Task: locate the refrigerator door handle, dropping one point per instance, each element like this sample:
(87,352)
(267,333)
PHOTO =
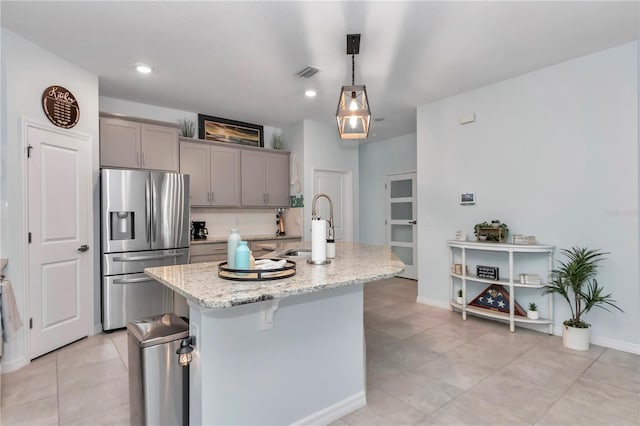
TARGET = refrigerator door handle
(140,258)
(147,210)
(132,280)
(154,211)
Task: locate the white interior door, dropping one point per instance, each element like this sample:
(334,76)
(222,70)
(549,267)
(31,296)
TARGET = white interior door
(338,186)
(401,220)
(59,186)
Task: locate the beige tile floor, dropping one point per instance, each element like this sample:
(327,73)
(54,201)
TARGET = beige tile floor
(424,366)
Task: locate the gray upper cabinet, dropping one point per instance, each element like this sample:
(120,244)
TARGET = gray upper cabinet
(136,145)
(195,162)
(265,179)
(277,180)
(215,174)
(225,176)
(253,176)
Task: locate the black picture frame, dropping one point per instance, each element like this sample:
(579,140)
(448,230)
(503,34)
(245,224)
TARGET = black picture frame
(230,131)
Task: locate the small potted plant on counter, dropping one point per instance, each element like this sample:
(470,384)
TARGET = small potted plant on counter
(533,313)
(459,298)
(575,281)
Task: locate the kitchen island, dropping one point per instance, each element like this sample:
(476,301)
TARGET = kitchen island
(284,351)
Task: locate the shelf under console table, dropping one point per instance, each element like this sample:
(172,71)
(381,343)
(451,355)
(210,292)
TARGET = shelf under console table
(463,280)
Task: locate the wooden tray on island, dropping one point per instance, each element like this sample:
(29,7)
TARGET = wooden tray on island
(288,270)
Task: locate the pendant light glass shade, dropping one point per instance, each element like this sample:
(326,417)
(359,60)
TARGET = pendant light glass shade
(353,114)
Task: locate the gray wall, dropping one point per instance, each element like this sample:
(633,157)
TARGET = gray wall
(377,160)
(554,153)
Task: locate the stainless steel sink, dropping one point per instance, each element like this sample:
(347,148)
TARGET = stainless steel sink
(297,253)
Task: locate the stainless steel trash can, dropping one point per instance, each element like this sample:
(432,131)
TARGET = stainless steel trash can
(158,386)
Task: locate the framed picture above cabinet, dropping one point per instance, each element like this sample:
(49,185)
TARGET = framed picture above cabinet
(230,131)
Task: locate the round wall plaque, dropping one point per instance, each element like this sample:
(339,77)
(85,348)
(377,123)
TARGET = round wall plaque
(60,106)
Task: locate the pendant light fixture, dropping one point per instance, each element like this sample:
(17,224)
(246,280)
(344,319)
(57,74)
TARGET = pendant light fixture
(353,113)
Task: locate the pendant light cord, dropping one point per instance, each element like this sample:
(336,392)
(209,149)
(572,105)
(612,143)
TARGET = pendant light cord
(353,61)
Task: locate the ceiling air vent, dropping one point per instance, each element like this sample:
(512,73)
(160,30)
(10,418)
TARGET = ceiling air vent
(307,71)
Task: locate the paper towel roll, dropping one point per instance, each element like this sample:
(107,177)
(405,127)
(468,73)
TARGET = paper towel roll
(318,240)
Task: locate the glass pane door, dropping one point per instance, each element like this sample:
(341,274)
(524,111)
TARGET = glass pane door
(401,220)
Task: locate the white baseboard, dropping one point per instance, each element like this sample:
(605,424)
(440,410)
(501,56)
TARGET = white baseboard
(557,330)
(616,344)
(335,411)
(97,329)
(433,302)
(8,367)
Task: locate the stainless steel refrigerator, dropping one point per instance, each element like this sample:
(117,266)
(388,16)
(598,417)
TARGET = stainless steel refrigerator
(145,223)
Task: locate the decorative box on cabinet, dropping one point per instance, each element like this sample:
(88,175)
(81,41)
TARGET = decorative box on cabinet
(214,171)
(265,179)
(460,251)
(138,145)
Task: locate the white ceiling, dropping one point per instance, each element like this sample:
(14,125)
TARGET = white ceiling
(238,59)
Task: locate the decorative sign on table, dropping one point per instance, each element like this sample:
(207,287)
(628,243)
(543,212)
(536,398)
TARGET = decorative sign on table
(60,107)
(524,239)
(496,298)
(488,272)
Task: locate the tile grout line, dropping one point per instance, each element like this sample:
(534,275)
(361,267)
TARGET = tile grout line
(57,390)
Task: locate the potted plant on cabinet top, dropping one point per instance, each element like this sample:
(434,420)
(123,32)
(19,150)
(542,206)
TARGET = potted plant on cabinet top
(533,313)
(575,281)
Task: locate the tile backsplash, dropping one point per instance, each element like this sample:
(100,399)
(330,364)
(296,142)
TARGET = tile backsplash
(248,221)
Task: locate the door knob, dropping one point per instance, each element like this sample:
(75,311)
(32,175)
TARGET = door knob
(83,247)
(413,222)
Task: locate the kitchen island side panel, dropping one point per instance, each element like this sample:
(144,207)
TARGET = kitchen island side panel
(311,361)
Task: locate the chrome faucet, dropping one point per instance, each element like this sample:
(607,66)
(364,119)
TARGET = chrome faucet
(314,214)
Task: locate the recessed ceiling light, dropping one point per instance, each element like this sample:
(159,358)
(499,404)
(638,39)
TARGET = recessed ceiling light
(310,93)
(143,69)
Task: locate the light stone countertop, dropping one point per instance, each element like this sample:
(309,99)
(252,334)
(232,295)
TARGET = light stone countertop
(354,264)
(213,239)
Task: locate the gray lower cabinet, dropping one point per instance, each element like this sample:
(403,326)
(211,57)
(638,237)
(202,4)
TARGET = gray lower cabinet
(215,174)
(213,252)
(136,145)
(216,252)
(265,179)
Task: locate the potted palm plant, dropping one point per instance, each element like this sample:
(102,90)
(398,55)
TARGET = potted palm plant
(575,281)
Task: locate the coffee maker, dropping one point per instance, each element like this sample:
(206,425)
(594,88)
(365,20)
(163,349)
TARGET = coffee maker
(199,230)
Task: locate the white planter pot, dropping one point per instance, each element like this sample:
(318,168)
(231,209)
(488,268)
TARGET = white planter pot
(575,338)
(533,315)
(459,300)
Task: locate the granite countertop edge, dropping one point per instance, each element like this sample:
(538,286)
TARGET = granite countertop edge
(200,283)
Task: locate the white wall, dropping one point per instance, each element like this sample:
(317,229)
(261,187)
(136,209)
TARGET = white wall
(554,153)
(324,150)
(376,161)
(26,71)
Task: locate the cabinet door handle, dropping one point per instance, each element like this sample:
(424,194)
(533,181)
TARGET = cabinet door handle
(83,247)
(213,196)
(208,197)
(143,162)
(137,158)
